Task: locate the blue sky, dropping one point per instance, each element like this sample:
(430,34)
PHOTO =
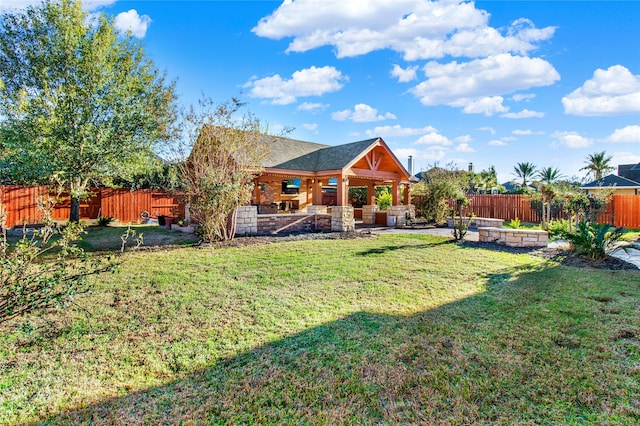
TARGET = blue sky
(488,82)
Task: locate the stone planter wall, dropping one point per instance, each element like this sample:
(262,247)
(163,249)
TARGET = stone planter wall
(478,222)
(514,237)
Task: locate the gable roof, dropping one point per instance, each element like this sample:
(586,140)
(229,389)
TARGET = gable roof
(612,181)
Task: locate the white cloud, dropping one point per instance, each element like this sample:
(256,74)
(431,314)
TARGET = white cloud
(572,139)
(18,5)
(362,113)
(312,81)
(487,106)
(419,29)
(625,158)
(629,134)
(398,131)
(131,21)
(613,91)
(527,132)
(312,107)
(525,113)
(464,147)
(433,138)
(497,142)
(310,126)
(457,83)
(404,75)
(463,139)
(522,97)
(488,129)
(431,153)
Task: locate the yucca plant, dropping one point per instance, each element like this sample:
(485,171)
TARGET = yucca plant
(594,240)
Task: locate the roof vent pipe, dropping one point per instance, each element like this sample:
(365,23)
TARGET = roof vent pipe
(410,165)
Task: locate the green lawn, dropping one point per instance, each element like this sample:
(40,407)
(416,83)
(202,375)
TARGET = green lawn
(394,329)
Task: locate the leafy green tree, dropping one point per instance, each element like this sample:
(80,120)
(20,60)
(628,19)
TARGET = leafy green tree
(77,99)
(524,171)
(598,163)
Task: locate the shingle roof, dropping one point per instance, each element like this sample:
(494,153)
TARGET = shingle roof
(284,150)
(324,157)
(611,181)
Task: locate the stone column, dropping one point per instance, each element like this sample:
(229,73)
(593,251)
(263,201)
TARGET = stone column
(342,219)
(369,214)
(247,220)
(400,212)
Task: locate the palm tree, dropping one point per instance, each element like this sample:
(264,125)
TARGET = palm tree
(524,171)
(548,175)
(598,163)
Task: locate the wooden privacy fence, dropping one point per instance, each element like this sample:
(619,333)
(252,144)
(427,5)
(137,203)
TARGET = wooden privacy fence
(20,204)
(623,210)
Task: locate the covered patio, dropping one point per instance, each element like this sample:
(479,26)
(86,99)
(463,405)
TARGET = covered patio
(305,179)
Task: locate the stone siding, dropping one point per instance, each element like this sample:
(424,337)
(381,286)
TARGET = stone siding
(514,237)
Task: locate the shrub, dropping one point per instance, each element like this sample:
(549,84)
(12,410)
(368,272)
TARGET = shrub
(558,228)
(594,240)
(46,268)
(384,200)
(515,223)
(104,220)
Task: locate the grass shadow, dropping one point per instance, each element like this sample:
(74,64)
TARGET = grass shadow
(528,350)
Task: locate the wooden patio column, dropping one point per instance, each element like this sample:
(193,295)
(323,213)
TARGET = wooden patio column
(407,194)
(256,192)
(395,193)
(371,193)
(317,192)
(343,191)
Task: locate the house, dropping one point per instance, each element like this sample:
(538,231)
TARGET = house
(298,174)
(617,184)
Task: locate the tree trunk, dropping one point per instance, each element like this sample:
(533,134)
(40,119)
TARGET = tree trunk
(74,215)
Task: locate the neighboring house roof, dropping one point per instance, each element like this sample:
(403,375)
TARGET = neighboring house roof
(511,185)
(612,181)
(630,171)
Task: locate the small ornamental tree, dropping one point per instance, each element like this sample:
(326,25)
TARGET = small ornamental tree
(226,155)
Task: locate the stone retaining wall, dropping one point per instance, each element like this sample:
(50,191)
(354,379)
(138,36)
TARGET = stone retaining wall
(296,222)
(514,237)
(478,222)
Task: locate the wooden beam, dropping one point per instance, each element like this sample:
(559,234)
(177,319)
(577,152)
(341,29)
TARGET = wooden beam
(373,174)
